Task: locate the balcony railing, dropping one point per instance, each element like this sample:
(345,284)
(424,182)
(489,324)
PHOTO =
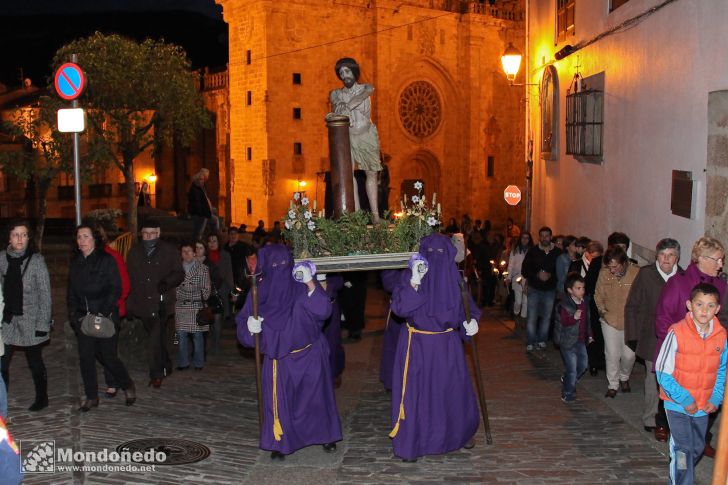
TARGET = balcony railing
(501,9)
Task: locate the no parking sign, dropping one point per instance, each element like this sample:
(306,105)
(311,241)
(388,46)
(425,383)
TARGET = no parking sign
(69,81)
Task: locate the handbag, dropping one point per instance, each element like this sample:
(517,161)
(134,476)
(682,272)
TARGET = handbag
(206,314)
(215,302)
(97,325)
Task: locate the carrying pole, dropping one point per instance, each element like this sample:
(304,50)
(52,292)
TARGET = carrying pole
(476,367)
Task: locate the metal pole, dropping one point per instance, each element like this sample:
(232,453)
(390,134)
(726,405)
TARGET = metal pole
(76,161)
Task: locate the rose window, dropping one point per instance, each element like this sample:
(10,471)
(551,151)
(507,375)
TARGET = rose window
(419,109)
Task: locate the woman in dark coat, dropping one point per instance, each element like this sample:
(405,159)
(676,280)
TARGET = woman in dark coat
(94,286)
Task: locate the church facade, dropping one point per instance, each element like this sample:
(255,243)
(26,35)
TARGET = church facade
(445,113)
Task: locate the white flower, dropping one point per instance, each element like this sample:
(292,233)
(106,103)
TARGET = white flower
(307,215)
(431,221)
(288,225)
(304,201)
(311,226)
(418,185)
(415,199)
(296,195)
(291,214)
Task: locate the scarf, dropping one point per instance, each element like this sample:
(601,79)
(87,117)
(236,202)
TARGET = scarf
(150,245)
(13,284)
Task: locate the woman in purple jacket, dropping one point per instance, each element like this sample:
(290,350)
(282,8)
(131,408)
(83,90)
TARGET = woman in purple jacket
(706,263)
(707,259)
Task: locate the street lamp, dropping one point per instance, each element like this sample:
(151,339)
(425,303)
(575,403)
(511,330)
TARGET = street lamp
(511,61)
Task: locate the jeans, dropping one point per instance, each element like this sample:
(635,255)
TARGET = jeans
(687,440)
(520,300)
(540,306)
(198,346)
(3,398)
(575,364)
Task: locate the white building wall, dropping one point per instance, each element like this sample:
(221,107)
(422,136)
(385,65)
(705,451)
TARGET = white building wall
(657,78)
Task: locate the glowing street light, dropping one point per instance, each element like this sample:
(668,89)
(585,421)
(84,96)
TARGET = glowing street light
(511,61)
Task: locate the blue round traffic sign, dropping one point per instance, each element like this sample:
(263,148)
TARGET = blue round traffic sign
(69,81)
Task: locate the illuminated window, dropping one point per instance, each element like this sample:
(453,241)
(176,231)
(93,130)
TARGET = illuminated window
(564,19)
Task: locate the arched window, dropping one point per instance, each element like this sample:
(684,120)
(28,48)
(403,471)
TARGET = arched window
(549,98)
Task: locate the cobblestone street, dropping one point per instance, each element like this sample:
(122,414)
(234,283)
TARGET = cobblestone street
(536,438)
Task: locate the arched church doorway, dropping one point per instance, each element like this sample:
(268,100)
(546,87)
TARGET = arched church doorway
(423,166)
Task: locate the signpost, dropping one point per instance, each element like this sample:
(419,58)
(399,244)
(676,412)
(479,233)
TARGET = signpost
(512,195)
(69,82)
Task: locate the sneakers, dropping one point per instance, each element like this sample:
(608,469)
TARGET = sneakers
(567,399)
(529,348)
(541,345)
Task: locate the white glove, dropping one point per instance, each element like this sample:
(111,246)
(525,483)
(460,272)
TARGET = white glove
(419,269)
(302,274)
(471,327)
(255,324)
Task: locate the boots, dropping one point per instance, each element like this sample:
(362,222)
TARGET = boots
(40,379)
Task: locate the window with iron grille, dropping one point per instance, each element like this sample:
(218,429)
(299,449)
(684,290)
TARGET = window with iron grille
(585,118)
(564,19)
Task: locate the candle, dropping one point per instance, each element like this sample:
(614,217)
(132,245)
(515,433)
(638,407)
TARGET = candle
(438,208)
(434,198)
(314,205)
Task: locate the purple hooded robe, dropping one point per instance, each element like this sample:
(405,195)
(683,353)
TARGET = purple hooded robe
(434,408)
(332,327)
(301,395)
(390,280)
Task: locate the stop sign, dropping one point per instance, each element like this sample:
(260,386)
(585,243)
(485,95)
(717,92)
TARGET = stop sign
(512,195)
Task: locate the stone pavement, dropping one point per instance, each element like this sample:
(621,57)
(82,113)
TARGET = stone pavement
(536,438)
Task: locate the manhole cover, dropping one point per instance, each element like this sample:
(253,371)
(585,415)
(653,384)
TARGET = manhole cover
(176,451)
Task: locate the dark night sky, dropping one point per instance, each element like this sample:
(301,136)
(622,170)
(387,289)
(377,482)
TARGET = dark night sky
(32,30)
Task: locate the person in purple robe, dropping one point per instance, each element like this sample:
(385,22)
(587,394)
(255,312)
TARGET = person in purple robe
(434,408)
(390,279)
(298,396)
(332,326)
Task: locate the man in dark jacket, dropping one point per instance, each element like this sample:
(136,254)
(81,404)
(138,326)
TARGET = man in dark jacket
(539,269)
(155,270)
(639,326)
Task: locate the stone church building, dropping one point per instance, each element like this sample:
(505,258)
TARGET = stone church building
(445,112)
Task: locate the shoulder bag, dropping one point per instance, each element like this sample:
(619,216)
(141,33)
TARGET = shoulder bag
(97,325)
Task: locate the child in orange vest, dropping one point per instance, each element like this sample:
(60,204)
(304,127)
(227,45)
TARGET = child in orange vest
(690,369)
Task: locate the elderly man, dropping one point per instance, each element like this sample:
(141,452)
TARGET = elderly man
(353,100)
(639,325)
(155,270)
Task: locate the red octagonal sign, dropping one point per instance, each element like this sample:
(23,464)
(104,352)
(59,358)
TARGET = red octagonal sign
(512,195)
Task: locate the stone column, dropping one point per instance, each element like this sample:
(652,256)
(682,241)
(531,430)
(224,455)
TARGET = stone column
(341,169)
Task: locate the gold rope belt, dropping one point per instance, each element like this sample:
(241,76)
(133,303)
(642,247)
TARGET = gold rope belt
(410,331)
(277,428)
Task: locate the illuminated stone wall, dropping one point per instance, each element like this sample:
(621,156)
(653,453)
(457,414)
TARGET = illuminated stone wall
(441,104)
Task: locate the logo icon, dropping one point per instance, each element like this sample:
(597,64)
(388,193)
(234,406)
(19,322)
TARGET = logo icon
(40,458)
